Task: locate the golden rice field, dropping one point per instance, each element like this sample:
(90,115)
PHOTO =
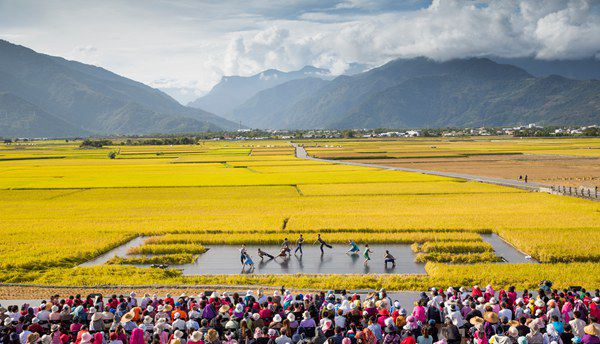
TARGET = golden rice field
(62,205)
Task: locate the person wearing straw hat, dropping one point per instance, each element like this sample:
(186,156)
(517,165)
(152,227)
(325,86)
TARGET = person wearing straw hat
(592,332)
(127,322)
(195,338)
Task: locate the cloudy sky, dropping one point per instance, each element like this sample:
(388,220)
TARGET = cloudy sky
(185,46)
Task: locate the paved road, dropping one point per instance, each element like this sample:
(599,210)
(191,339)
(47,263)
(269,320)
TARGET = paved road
(302,154)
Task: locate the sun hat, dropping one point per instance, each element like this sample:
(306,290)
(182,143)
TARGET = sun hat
(224,309)
(142,327)
(255,316)
(326,325)
(150,309)
(480,299)
(576,340)
(7,321)
(396,304)
(522,340)
(55,327)
(196,336)
(330,306)
(476,320)
(147,319)
(272,332)
(249,293)
(127,317)
(168,308)
(54,308)
(291,317)
(513,323)
(35,320)
(493,301)
(592,329)
(161,308)
(539,303)
(513,332)
(96,316)
(388,321)
(176,316)
(214,295)
(178,334)
(490,317)
(85,337)
(277,318)
(596,299)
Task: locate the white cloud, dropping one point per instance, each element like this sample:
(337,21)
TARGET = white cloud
(186,46)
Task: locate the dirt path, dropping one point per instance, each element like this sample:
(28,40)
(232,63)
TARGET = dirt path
(302,154)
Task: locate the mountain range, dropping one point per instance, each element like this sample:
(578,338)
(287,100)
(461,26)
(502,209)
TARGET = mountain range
(233,91)
(42,95)
(48,96)
(420,92)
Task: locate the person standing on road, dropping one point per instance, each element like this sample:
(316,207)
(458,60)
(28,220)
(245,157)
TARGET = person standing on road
(366,254)
(322,242)
(243,253)
(299,243)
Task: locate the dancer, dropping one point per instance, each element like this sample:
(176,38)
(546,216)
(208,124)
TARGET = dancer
(388,258)
(353,247)
(248,261)
(284,252)
(243,253)
(366,254)
(286,246)
(299,243)
(322,242)
(262,254)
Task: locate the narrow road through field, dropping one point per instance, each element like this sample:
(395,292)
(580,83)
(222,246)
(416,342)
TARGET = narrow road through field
(302,154)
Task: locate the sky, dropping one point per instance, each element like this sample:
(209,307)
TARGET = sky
(184,47)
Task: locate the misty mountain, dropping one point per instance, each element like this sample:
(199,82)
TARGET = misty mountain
(582,69)
(262,110)
(423,93)
(232,91)
(83,99)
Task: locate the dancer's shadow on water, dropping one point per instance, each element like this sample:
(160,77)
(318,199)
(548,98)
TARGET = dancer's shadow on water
(284,263)
(324,260)
(263,263)
(300,263)
(354,258)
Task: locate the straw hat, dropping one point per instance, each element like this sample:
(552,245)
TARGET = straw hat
(224,309)
(96,316)
(306,315)
(513,323)
(249,293)
(46,339)
(168,307)
(178,334)
(147,319)
(33,337)
(127,317)
(476,320)
(592,329)
(490,317)
(196,336)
